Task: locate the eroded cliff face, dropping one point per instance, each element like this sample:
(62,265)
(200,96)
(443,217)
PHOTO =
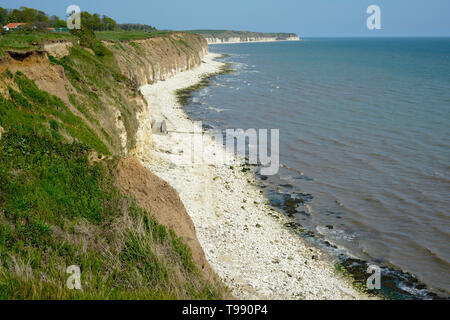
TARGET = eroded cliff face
(100,94)
(155,59)
(151,60)
(104,93)
(111,106)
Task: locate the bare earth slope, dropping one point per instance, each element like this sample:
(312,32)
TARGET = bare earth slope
(163,203)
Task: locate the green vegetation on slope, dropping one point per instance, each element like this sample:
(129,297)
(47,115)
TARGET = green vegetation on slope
(58,209)
(98,85)
(33,110)
(26,41)
(58,203)
(129,35)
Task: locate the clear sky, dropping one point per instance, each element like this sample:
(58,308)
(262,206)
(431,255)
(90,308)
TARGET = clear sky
(308,18)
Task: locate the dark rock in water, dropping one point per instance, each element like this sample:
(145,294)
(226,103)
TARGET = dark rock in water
(326,243)
(393,281)
(304,178)
(295,226)
(276,204)
(304,197)
(264,178)
(287,186)
(309,234)
(291,211)
(289,202)
(330,227)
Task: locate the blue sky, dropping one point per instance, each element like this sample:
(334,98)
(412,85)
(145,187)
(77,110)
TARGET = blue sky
(308,18)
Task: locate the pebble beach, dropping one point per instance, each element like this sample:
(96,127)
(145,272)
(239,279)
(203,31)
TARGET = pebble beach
(244,239)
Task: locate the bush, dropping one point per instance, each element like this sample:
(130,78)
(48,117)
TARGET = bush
(87,37)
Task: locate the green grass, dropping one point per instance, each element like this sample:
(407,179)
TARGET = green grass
(31,110)
(23,42)
(129,35)
(99,82)
(58,209)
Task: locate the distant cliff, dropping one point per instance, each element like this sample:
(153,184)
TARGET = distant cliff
(228,36)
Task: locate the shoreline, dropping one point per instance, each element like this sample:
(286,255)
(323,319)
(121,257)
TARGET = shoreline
(244,239)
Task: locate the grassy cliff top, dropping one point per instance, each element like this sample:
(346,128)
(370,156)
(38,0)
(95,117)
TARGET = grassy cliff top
(22,42)
(129,35)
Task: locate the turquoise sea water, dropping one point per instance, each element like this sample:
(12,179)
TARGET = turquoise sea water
(364,128)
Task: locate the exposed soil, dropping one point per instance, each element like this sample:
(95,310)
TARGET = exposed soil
(163,203)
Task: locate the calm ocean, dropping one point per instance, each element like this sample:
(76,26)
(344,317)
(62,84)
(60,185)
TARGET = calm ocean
(364,128)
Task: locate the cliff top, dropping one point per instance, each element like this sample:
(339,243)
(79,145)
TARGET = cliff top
(224,34)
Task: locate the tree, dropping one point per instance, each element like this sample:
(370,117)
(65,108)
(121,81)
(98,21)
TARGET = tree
(25,14)
(41,17)
(11,18)
(86,20)
(56,22)
(3,16)
(96,22)
(40,20)
(108,23)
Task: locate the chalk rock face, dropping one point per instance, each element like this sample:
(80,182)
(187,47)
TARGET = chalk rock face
(215,37)
(158,59)
(1,132)
(249,39)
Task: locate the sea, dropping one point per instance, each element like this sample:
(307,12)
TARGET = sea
(364,144)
